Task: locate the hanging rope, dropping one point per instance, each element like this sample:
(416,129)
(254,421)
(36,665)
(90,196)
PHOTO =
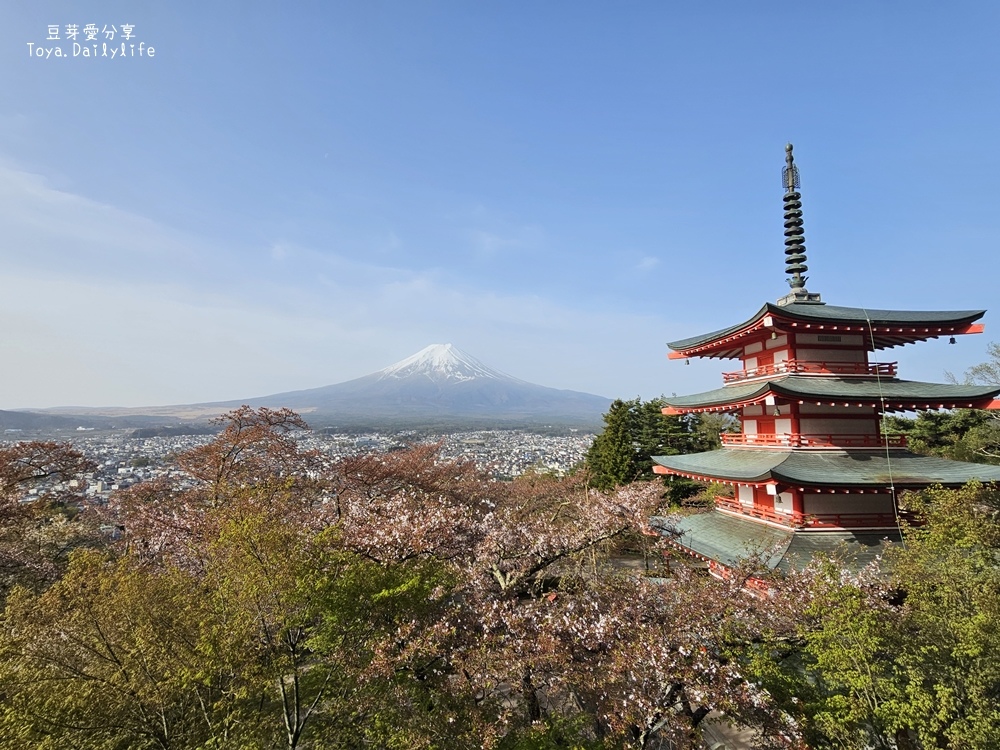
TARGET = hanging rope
(885,436)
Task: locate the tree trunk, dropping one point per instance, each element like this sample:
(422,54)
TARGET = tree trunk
(530,696)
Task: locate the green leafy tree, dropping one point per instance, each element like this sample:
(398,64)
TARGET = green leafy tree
(983,441)
(113,655)
(636,430)
(279,640)
(846,694)
(961,435)
(908,657)
(948,658)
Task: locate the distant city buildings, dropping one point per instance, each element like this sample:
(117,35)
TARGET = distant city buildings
(122,461)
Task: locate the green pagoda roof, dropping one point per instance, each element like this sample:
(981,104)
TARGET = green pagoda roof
(727,539)
(811,314)
(897,394)
(827,468)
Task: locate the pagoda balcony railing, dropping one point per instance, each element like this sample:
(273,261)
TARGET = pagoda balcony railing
(792,366)
(798,520)
(813,441)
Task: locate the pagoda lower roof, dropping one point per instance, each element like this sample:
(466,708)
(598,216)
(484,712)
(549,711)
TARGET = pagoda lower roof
(895,394)
(835,469)
(888,328)
(727,539)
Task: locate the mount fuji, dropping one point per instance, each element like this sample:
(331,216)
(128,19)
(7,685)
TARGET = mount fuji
(440,386)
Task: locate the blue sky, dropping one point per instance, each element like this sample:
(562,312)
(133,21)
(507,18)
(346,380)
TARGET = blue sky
(289,196)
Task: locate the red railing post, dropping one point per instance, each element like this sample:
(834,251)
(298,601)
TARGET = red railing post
(882,369)
(795,519)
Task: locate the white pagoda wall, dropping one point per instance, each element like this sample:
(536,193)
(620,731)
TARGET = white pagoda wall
(783,502)
(745,495)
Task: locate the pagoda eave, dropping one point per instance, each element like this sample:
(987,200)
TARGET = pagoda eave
(778,485)
(724,539)
(883,328)
(824,470)
(884,405)
(887,394)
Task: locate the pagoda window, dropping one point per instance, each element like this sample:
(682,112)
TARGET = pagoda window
(753,348)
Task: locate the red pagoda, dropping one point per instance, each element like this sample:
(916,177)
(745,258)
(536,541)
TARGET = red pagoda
(812,467)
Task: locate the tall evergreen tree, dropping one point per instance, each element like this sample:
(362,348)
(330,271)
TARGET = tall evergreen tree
(613,458)
(637,430)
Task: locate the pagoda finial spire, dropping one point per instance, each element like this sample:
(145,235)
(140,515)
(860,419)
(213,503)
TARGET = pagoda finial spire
(795,249)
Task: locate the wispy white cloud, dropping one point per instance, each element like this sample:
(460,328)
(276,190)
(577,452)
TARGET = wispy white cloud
(64,233)
(647,263)
(101,306)
(492,235)
(488,244)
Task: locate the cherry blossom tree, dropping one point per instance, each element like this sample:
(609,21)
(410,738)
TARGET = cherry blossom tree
(41,516)
(385,599)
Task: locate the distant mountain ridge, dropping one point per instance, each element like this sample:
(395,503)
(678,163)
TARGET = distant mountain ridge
(438,387)
(441,383)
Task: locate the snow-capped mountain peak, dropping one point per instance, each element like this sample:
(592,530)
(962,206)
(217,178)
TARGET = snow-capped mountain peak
(441,362)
